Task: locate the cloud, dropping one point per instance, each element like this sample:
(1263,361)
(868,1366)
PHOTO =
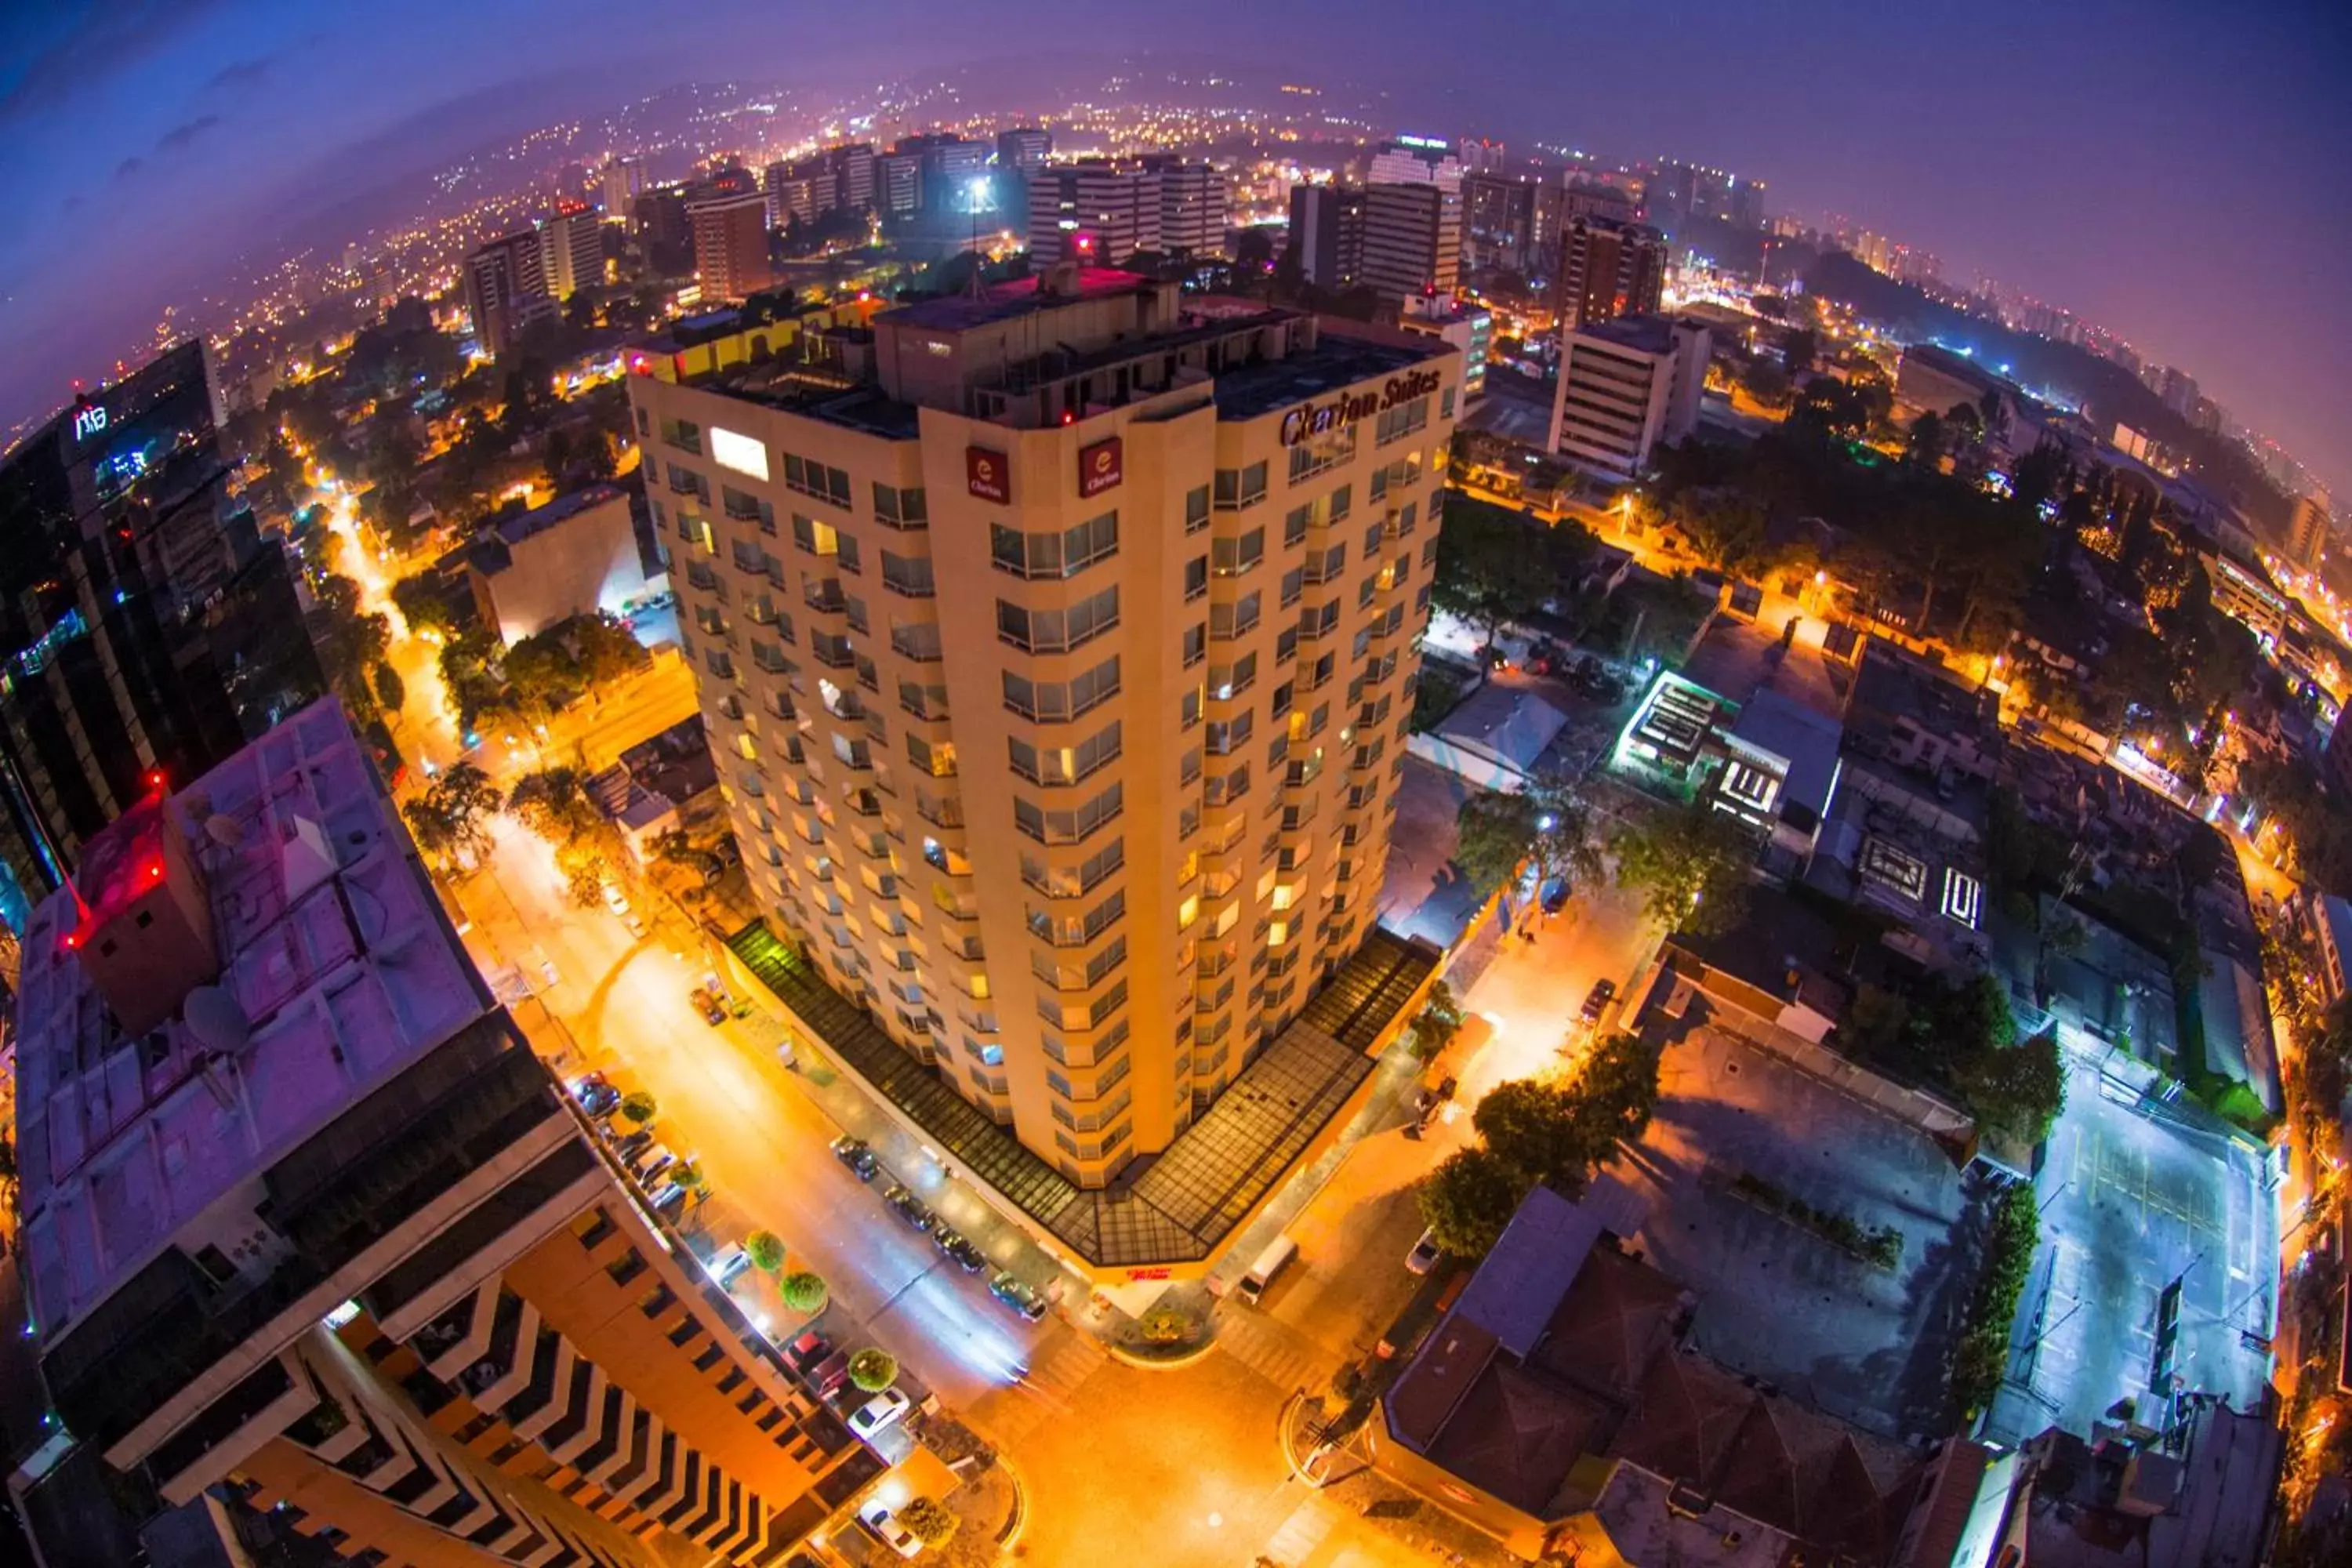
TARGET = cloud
(240,73)
(81,50)
(180,137)
(128,167)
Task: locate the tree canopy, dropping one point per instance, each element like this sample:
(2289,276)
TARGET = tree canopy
(1549,824)
(1468,1199)
(1692,867)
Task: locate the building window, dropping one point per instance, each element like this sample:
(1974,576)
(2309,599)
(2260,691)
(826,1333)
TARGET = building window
(1059,630)
(1072,826)
(1061,554)
(902,508)
(1238,488)
(1232,557)
(813,479)
(1056,701)
(1196,509)
(1236,619)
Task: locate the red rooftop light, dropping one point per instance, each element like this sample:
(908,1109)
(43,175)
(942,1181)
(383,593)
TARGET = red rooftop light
(155,778)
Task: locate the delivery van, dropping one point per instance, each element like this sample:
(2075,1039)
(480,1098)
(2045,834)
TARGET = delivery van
(1271,1262)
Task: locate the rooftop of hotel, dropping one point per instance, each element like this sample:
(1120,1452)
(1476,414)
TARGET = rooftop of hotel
(341,970)
(1005,301)
(494,551)
(1337,359)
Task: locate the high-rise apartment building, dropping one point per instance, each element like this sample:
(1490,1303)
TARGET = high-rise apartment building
(1416,159)
(1412,240)
(898,184)
(1101,211)
(505,288)
(571,249)
(1626,386)
(146,623)
(658,217)
(730,245)
(853,172)
(954,170)
(308,1230)
(1327,233)
(1024,149)
(1610,269)
(1510,223)
(800,192)
(618,185)
(2308,532)
(1192,206)
(1061,665)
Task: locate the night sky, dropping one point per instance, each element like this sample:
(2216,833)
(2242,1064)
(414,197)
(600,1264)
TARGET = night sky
(2179,171)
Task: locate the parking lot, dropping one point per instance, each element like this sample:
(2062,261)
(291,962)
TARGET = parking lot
(1775,1298)
(2131,1201)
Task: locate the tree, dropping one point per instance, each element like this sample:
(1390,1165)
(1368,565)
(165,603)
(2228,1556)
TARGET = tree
(1693,865)
(1548,825)
(930,1522)
(596,458)
(1767,381)
(872,1370)
(1438,1021)
(638,1106)
(452,817)
(1925,447)
(1538,1131)
(764,1247)
(1618,1088)
(1468,1199)
(1727,529)
(805,1293)
(2018,1089)
(1484,554)
(1798,348)
(390,689)
(688,1174)
(423,604)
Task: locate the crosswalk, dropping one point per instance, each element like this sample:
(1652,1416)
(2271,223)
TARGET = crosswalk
(1300,1534)
(1053,1380)
(1283,1358)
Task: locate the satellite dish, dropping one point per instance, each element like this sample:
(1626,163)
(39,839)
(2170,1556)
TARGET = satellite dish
(215,1020)
(223,830)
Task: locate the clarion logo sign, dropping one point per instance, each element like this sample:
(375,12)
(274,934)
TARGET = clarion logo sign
(1312,419)
(985,474)
(1100,466)
(88,422)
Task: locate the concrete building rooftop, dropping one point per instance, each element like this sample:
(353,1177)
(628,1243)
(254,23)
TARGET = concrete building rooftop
(1335,360)
(1005,301)
(339,968)
(1646,334)
(493,553)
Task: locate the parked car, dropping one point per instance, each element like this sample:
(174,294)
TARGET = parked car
(1553,895)
(911,1208)
(631,1143)
(808,1350)
(596,1095)
(714,1013)
(884,1409)
(829,1374)
(1018,1294)
(1424,1254)
(650,1163)
(727,1263)
(858,1155)
(1596,1001)
(876,1516)
(960,1249)
(614,899)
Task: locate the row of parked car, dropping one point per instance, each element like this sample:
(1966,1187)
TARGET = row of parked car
(649,1162)
(954,1246)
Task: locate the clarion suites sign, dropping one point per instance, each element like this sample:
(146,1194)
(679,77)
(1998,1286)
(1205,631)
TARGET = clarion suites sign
(1311,419)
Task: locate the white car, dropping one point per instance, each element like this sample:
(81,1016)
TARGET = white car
(879,1412)
(727,1263)
(1424,1254)
(876,1516)
(614,899)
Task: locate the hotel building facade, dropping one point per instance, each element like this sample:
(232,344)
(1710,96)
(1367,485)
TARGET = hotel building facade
(1057,645)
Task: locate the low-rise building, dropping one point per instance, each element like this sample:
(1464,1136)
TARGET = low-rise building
(577,556)
(1556,1407)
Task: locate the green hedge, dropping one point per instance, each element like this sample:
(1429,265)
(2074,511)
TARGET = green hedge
(1981,1359)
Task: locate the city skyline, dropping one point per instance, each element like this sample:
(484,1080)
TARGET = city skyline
(155,136)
